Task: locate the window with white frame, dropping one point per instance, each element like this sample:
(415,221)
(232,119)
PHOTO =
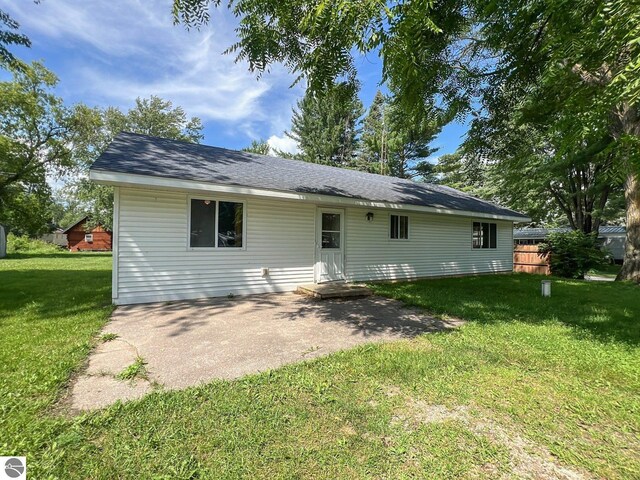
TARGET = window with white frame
(399,227)
(88,237)
(216,224)
(485,235)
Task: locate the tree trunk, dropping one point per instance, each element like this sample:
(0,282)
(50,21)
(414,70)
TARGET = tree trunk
(631,265)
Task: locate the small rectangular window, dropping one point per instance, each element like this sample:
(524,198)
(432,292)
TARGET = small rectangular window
(88,238)
(484,235)
(230,224)
(399,227)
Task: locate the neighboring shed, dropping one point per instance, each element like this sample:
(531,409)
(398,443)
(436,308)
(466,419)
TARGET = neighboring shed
(197,221)
(97,239)
(612,238)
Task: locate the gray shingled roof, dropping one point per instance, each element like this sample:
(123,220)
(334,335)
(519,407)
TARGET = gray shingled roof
(532,233)
(159,157)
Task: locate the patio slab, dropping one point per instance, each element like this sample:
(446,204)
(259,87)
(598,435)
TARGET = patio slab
(193,342)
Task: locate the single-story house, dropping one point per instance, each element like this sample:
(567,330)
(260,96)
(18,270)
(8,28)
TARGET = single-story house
(198,221)
(611,237)
(97,239)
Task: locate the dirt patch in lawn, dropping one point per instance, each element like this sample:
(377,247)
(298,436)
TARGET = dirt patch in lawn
(527,459)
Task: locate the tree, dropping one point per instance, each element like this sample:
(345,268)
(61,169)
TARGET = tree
(373,136)
(572,68)
(96,128)
(573,65)
(35,133)
(528,171)
(396,143)
(325,126)
(261,147)
(66,209)
(28,212)
(318,40)
(408,143)
(459,171)
(9,35)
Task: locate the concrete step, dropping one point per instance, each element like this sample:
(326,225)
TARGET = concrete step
(334,290)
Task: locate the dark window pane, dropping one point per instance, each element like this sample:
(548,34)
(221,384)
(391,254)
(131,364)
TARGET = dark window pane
(493,235)
(331,222)
(330,239)
(404,228)
(477,235)
(394,226)
(230,224)
(203,223)
(485,235)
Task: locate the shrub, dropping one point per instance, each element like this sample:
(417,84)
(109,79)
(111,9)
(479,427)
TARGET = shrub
(573,253)
(24,244)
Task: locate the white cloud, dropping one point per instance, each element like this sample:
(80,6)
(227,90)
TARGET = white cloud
(283,143)
(123,49)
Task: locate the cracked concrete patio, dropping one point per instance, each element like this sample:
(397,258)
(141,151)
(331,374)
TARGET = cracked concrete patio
(192,342)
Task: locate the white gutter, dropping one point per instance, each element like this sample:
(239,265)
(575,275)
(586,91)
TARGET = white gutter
(132,179)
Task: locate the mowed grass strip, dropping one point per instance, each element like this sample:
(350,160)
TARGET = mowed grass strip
(561,374)
(51,307)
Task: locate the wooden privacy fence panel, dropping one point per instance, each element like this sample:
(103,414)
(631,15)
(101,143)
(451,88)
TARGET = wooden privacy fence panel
(527,259)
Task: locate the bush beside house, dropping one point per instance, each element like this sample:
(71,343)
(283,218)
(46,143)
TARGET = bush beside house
(573,253)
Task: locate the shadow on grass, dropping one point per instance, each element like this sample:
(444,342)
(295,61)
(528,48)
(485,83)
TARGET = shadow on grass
(608,311)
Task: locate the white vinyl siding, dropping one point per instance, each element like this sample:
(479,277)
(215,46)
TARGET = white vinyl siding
(438,245)
(155,263)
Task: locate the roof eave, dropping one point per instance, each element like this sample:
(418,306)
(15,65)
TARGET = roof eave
(66,230)
(148,181)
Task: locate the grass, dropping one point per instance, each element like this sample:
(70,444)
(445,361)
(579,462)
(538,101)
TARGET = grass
(52,305)
(108,337)
(559,373)
(606,270)
(136,370)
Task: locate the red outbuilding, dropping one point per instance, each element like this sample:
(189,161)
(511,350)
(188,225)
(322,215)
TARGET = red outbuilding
(79,238)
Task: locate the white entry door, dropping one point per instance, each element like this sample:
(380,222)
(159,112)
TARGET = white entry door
(330,245)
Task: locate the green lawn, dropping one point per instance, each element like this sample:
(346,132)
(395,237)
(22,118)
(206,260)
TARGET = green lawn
(527,380)
(606,270)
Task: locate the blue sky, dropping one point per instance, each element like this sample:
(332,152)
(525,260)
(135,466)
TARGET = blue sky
(110,52)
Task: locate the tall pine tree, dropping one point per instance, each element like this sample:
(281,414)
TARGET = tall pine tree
(326,125)
(395,143)
(373,136)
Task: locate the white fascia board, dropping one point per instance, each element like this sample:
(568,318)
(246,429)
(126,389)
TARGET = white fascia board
(135,180)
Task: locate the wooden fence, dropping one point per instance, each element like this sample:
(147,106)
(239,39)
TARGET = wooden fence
(527,259)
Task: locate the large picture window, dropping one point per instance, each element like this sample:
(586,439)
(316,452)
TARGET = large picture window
(399,227)
(484,235)
(216,224)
